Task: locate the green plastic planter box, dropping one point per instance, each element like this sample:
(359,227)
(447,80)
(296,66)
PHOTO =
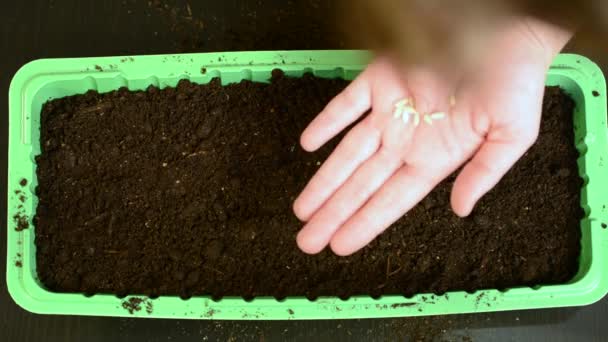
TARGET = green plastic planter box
(41,80)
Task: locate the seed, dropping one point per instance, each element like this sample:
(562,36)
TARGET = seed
(405,108)
(402,103)
(428,119)
(437,116)
(397,113)
(406,117)
(409,109)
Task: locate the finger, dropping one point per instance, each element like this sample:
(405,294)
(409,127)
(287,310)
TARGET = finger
(357,146)
(398,195)
(351,196)
(482,173)
(340,112)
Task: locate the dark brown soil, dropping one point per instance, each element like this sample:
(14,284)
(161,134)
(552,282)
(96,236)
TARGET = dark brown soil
(188,191)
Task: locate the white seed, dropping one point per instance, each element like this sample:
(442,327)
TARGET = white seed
(416,119)
(437,116)
(164,164)
(402,103)
(397,113)
(406,117)
(428,119)
(410,109)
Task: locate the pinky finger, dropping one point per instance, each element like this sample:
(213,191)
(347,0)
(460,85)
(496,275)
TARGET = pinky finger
(484,171)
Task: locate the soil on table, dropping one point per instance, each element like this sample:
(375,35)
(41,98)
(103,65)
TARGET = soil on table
(188,191)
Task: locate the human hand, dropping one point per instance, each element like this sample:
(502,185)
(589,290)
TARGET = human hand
(386,164)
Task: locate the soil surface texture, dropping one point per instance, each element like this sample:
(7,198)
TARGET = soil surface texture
(188,191)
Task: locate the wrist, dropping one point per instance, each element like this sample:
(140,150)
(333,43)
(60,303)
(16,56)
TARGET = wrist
(526,41)
(548,39)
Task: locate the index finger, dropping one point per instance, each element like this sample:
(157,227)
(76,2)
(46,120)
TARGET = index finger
(340,112)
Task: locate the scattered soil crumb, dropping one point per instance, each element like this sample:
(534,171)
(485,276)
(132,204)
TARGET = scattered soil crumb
(133,304)
(21,222)
(23,182)
(149,307)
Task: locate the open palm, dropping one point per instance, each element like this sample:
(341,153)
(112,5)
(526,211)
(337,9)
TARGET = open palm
(385,165)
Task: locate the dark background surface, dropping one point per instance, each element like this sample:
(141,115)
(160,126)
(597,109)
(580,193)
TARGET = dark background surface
(70,28)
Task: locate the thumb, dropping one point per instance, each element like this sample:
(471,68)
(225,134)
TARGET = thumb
(491,162)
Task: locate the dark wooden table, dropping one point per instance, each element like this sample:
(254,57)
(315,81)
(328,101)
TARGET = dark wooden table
(70,28)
